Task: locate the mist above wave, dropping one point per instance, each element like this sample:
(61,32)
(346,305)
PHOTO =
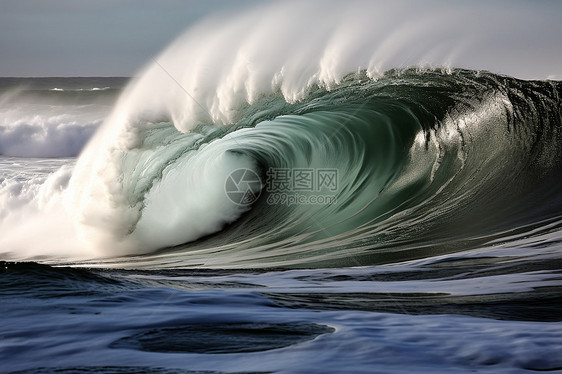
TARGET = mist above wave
(224,63)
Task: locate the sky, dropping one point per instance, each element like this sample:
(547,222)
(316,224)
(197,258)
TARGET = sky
(118,37)
(94,37)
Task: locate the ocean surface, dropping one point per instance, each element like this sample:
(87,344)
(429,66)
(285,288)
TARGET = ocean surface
(302,214)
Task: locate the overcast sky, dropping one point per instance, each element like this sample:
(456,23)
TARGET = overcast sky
(94,37)
(117,37)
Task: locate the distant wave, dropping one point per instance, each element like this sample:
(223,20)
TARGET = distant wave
(80,89)
(47,131)
(58,135)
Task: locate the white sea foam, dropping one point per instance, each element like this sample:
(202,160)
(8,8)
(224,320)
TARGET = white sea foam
(33,220)
(36,135)
(32,128)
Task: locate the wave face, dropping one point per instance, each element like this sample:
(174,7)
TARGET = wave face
(427,162)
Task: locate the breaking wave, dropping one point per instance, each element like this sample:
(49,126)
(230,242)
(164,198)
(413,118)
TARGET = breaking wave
(428,159)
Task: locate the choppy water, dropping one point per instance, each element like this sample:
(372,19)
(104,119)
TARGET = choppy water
(494,310)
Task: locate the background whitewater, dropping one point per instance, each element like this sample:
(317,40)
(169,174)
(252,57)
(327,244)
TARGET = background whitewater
(53,117)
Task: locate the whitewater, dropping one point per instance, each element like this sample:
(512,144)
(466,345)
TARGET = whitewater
(374,191)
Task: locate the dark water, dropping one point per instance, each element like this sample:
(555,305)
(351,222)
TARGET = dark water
(494,310)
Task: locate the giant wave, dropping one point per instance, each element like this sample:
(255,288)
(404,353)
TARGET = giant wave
(429,162)
(431,159)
